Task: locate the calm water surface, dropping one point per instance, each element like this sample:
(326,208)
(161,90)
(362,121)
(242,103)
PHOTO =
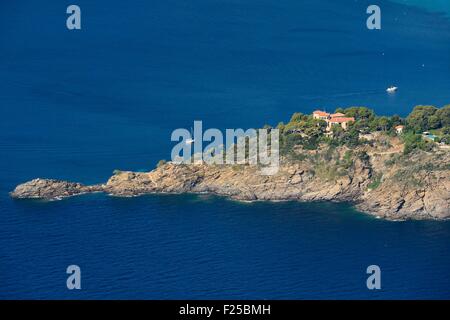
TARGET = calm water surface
(77,105)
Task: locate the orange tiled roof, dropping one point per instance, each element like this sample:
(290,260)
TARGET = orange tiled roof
(321,113)
(336,115)
(399,126)
(341,119)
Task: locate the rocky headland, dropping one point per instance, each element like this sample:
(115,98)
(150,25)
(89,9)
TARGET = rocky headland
(378,179)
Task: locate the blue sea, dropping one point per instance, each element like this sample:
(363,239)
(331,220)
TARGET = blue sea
(78,104)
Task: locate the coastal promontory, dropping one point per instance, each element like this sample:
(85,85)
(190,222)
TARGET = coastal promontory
(389,174)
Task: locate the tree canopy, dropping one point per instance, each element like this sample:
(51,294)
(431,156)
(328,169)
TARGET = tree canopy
(424,118)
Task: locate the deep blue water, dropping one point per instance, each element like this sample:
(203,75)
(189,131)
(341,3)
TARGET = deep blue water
(77,105)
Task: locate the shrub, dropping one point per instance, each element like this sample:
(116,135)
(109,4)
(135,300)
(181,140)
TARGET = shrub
(414,141)
(161,163)
(376,181)
(363,156)
(423,118)
(297,156)
(392,160)
(347,159)
(446,139)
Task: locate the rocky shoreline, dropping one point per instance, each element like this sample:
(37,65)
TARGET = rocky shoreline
(377,182)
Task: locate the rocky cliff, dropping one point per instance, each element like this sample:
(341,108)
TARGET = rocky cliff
(378,180)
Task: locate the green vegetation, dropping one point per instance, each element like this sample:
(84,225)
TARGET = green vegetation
(347,160)
(348,137)
(425,118)
(306,133)
(415,141)
(393,159)
(367,121)
(302,130)
(407,177)
(376,181)
(443,134)
(329,172)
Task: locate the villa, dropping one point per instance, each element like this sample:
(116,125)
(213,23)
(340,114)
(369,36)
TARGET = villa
(333,119)
(342,121)
(320,115)
(399,129)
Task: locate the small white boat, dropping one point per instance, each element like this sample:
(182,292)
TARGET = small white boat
(391,89)
(192,140)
